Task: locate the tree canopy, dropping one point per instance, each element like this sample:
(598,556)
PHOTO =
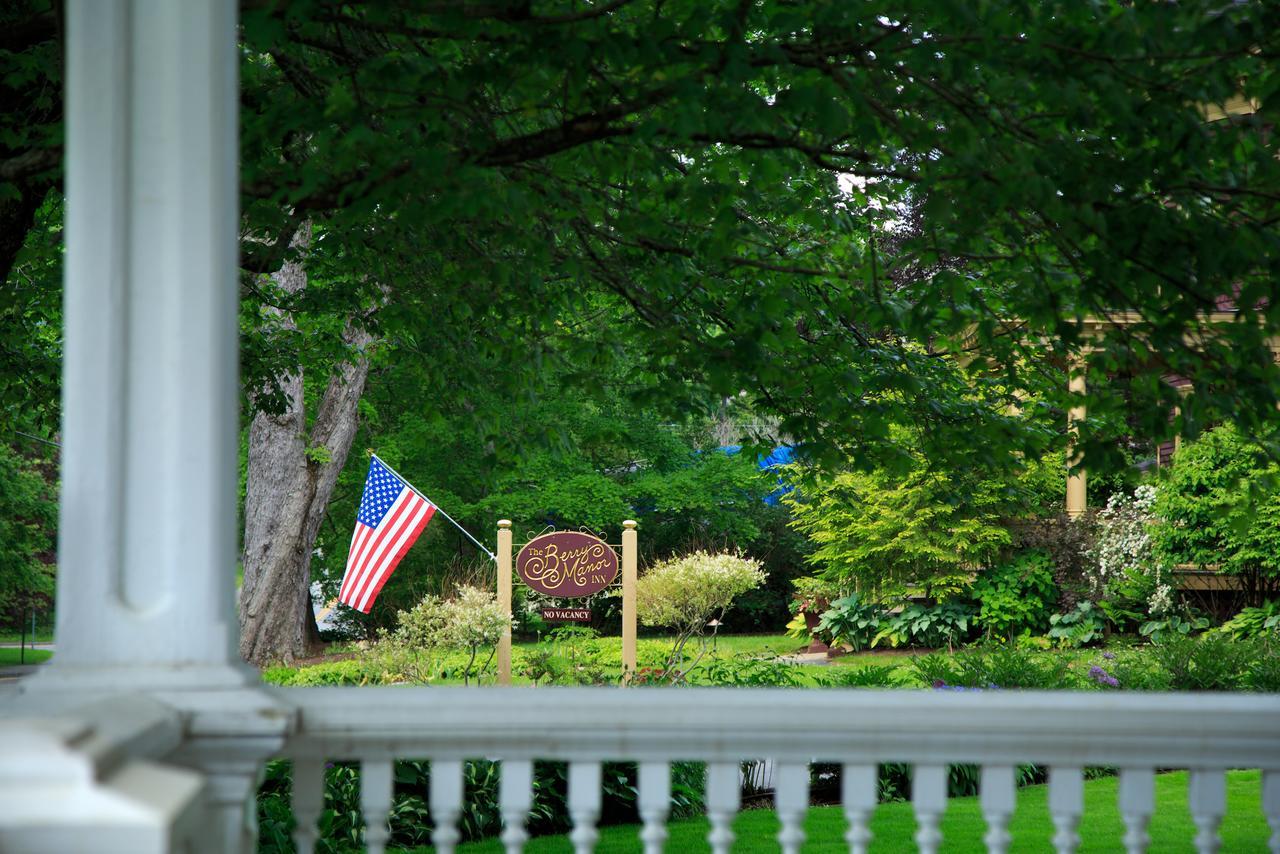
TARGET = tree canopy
(812,202)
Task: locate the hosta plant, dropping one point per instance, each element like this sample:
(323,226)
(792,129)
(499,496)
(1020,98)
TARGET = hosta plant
(1172,626)
(1263,621)
(850,621)
(924,625)
(1079,627)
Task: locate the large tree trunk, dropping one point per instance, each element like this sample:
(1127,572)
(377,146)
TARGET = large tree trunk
(291,476)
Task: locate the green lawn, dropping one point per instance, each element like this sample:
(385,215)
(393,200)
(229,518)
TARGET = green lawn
(11,655)
(44,634)
(1243,830)
(745,644)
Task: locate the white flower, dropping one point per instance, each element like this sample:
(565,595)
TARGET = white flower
(1124,540)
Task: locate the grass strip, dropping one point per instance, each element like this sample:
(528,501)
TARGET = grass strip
(1244,829)
(13,655)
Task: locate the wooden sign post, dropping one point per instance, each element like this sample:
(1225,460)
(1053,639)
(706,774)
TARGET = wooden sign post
(628,600)
(504,599)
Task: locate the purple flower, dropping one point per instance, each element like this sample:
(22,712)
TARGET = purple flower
(938,684)
(1109,656)
(1102,677)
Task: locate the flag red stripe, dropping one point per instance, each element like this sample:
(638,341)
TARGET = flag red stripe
(372,541)
(384,535)
(357,541)
(356,559)
(407,539)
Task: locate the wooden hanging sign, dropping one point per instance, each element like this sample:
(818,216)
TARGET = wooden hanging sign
(567,564)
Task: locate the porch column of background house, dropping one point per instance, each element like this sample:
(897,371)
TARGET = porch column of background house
(147,529)
(1077,489)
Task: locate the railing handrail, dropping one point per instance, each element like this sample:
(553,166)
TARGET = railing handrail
(725,724)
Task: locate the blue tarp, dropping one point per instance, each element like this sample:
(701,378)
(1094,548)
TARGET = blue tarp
(779,456)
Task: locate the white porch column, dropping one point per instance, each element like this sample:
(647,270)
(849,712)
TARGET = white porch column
(147,539)
(147,533)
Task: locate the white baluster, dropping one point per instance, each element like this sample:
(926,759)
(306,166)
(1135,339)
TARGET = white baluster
(791,799)
(446,803)
(724,794)
(999,797)
(1066,804)
(375,802)
(859,791)
(929,797)
(515,797)
(1271,806)
(654,780)
(1207,794)
(1137,795)
(308,802)
(584,804)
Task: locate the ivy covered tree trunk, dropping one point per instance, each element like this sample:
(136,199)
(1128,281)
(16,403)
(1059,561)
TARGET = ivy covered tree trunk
(291,475)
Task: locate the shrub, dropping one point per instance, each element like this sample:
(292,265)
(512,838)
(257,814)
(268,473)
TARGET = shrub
(1263,621)
(1079,627)
(475,620)
(861,676)
(423,627)
(470,621)
(1017,596)
(1129,577)
(1207,663)
(888,529)
(1210,662)
(685,593)
(1263,672)
(1137,670)
(850,621)
(1000,667)
(813,593)
(1124,536)
(926,625)
(1221,506)
(578,657)
(1069,541)
(1172,626)
(750,673)
(346,672)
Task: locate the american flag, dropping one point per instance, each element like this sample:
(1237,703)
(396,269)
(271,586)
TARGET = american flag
(391,517)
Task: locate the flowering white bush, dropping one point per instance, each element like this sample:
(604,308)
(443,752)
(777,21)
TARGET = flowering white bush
(1124,547)
(685,593)
(474,618)
(470,620)
(422,627)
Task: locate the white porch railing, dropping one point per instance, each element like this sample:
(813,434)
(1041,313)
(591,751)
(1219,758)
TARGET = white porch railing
(1135,733)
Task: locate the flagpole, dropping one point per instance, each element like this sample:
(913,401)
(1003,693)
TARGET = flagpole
(406,482)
